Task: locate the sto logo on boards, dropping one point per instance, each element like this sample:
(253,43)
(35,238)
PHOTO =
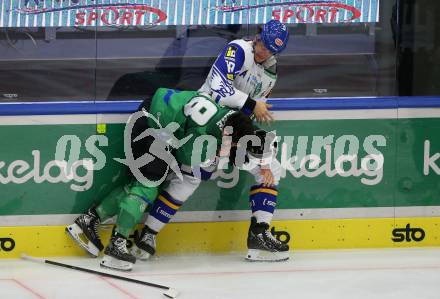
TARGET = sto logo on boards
(408,234)
(7,244)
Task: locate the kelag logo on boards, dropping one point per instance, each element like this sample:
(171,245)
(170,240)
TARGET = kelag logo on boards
(109,14)
(7,244)
(408,234)
(319,11)
(430,162)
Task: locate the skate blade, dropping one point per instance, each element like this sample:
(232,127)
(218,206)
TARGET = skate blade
(139,254)
(115,264)
(256,255)
(77,234)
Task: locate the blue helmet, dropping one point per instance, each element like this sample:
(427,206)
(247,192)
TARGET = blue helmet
(274,36)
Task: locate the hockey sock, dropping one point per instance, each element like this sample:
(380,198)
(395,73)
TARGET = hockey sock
(263,201)
(133,206)
(163,209)
(109,207)
(131,210)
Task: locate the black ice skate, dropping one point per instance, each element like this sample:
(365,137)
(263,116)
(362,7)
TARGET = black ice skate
(84,231)
(144,244)
(116,255)
(263,246)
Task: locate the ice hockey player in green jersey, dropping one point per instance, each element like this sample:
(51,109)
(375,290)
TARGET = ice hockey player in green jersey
(242,77)
(171,135)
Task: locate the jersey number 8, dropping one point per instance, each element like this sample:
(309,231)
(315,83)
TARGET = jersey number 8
(200,109)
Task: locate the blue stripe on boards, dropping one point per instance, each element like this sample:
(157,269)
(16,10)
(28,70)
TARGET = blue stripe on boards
(279,104)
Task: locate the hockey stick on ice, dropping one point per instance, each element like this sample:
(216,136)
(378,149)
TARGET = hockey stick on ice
(170,293)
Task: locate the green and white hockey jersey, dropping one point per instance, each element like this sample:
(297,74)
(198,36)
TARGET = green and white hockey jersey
(196,116)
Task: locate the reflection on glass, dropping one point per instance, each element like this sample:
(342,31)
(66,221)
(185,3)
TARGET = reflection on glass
(130,62)
(47,64)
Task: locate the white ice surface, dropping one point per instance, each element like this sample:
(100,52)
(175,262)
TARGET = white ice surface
(385,273)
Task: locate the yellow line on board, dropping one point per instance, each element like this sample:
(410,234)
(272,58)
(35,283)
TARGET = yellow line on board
(216,237)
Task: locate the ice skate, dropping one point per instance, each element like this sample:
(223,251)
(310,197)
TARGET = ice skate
(84,231)
(263,246)
(144,244)
(116,255)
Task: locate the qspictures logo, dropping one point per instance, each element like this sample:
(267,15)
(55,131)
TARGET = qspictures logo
(86,14)
(309,157)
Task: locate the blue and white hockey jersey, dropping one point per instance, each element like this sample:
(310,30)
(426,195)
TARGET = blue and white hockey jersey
(235,76)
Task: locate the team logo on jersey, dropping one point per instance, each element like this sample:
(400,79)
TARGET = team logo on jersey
(220,84)
(278,42)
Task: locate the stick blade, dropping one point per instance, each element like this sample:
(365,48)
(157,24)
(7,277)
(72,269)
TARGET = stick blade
(171,293)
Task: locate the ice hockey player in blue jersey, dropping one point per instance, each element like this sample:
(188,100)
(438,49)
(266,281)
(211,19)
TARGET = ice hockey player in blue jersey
(245,72)
(242,77)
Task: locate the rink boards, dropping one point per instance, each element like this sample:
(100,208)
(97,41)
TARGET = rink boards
(358,173)
(218,237)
